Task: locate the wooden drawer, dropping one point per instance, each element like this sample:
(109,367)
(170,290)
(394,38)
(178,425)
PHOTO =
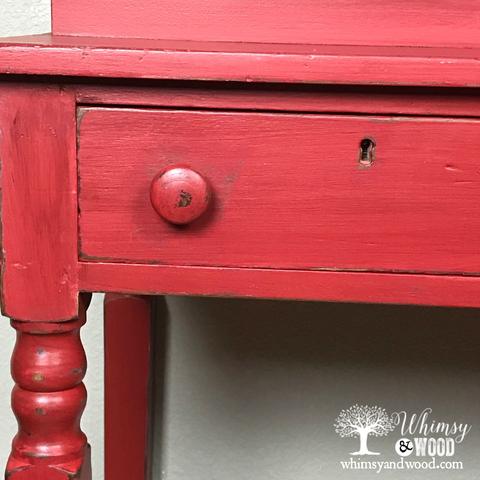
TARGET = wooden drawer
(288,190)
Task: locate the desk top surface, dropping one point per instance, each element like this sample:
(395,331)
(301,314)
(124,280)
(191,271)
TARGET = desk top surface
(248,62)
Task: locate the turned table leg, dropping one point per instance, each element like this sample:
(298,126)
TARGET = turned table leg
(48,366)
(39,274)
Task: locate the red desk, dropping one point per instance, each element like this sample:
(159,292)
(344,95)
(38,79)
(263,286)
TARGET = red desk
(284,158)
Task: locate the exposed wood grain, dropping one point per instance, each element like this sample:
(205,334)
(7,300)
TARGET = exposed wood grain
(439,290)
(180,195)
(39,202)
(128,382)
(247,62)
(288,190)
(297,98)
(371,22)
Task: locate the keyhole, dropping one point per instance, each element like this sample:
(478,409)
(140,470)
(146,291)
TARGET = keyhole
(367,150)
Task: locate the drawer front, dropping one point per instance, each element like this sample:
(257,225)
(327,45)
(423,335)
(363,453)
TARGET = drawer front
(287,190)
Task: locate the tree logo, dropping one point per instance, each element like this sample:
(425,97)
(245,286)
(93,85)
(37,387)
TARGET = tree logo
(362,421)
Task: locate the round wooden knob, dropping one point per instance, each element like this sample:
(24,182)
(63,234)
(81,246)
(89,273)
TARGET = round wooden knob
(180,195)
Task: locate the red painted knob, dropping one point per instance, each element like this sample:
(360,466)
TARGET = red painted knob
(180,195)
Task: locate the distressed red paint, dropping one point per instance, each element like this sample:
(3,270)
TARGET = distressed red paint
(242,62)
(48,366)
(283,223)
(350,22)
(289,190)
(39,202)
(180,195)
(128,376)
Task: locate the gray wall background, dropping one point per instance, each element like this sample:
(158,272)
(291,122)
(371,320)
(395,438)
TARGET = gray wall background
(250,389)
